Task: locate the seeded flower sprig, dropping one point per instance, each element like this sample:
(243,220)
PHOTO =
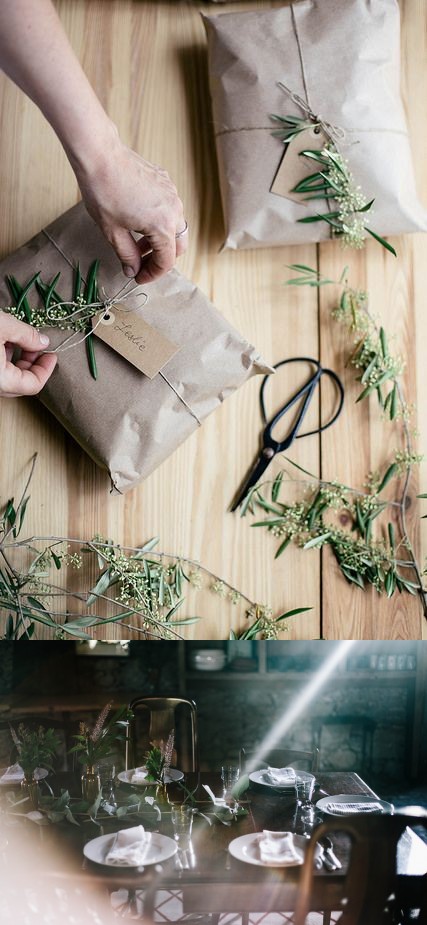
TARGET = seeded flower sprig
(139,589)
(311,523)
(158,759)
(332,182)
(73,315)
(382,561)
(100,741)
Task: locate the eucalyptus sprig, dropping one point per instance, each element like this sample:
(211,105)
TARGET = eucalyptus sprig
(53,810)
(332,182)
(138,589)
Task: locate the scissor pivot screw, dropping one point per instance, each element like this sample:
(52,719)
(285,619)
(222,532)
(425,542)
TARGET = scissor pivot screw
(268,452)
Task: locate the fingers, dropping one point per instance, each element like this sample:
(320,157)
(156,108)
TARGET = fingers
(20,334)
(160,260)
(127,251)
(27,377)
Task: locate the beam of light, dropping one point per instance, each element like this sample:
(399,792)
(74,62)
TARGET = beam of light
(300,703)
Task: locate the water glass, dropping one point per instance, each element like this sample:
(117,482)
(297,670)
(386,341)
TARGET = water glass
(305,787)
(107,773)
(182,821)
(230,775)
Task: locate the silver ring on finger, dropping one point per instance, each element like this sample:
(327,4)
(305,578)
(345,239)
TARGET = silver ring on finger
(184,231)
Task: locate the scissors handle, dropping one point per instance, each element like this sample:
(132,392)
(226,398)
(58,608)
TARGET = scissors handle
(272,446)
(306,393)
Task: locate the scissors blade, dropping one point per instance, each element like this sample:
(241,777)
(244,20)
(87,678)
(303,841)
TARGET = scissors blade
(254,476)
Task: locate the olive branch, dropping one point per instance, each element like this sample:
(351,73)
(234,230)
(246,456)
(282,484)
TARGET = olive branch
(138,589)
(387,563)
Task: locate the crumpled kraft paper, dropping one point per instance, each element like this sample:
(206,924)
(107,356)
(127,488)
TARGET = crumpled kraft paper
(126,422)
(351,58)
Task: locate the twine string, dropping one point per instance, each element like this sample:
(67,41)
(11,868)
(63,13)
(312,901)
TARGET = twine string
(335,133)
(105,306)
(87,312)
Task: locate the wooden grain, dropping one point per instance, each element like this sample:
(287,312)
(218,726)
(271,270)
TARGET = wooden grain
(147,63)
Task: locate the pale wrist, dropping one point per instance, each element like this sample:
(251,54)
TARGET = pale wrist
(89,151)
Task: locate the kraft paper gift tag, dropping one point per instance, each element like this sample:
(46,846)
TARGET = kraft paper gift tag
(127,422)
(346,57)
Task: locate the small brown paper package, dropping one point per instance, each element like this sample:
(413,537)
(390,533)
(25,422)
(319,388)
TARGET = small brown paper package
(344,55)
(127,422)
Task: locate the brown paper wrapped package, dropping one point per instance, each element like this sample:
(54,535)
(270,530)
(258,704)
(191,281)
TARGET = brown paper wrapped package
(126,422)
(351,57)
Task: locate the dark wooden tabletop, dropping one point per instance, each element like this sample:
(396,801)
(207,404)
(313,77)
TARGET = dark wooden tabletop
(211,873)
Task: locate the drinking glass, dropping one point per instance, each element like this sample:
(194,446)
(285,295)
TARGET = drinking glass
(107,773)
(182,821)
(230,775)
(305,787)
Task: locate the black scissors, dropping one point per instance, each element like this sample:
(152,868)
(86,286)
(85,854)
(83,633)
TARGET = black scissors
(271,446)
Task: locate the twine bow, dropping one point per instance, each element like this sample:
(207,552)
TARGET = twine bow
(334,132)
(84,313)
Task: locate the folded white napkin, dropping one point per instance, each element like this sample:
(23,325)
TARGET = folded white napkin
(346,809)
(280,776)
(139,776)
(15,774)
(279,846)
(130,847)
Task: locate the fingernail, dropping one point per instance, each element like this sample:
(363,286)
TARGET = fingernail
(44,339)
(129,271)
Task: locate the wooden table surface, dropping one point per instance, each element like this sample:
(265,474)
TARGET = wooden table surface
(147,62)
(214,880)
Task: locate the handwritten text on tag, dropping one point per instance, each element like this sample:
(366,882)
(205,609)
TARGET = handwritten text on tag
(135,340)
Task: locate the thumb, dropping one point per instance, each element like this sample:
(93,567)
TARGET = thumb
(127,251)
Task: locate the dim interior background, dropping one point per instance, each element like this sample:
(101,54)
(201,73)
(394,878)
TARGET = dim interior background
(370,715)
(147,63)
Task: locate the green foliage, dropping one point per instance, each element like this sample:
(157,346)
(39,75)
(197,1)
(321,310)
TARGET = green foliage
(36,748)
(101,741)
(313,521)
(138,583)
(74,315)
(332,182)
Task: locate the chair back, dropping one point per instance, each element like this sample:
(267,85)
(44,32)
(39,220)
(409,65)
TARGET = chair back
(372,867)
(279,758)
(154,719)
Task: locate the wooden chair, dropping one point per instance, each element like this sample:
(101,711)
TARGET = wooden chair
(154,718)
(369,896)
(280,758)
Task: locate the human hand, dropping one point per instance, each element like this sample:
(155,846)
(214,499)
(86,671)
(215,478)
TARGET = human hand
(125,193)
(30,373)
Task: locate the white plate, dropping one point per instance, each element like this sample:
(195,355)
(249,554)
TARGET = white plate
(161,848)
(39,774)
(258,777)
(171,776)
(245,848)
(352,798)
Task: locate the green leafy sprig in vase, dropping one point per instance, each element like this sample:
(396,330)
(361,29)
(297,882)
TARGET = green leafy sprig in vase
(158,761)
(36,748)
(97,743)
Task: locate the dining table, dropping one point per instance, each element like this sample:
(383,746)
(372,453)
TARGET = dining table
(211,877)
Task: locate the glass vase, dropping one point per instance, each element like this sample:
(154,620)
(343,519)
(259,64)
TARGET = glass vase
(162,795)
(30,789)
(91,784)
